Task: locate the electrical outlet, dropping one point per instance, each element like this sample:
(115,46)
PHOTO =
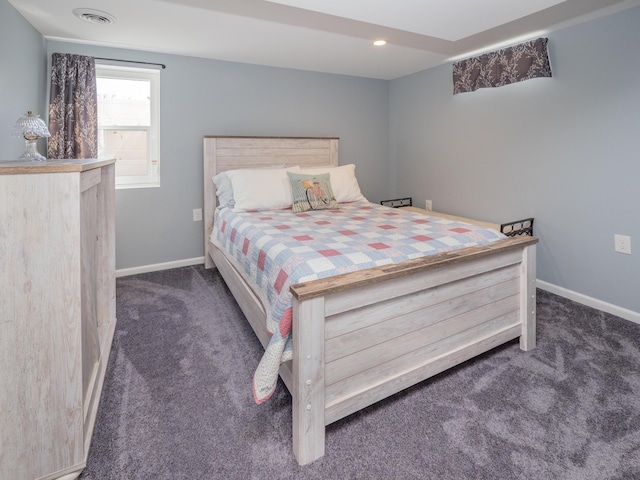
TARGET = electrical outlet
(622,244)
(428,205)
(197,214)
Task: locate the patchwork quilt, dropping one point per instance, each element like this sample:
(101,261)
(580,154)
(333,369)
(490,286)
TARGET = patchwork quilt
(278,248)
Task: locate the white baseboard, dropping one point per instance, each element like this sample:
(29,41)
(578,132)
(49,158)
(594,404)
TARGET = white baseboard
(590,301)
(123,272)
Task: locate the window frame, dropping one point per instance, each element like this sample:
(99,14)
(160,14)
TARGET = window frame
(153,141)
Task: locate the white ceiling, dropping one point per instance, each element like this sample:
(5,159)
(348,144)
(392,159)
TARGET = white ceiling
(435,18)
(333,36)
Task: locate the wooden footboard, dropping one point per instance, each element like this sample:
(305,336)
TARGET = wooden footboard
(388,328)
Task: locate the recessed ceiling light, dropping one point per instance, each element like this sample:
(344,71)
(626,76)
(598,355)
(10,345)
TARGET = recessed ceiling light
(96,17)
(379,43)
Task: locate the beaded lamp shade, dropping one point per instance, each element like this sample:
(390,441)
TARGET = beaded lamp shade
(31,127)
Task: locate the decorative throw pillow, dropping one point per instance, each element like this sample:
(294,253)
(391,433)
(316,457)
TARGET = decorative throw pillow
(311,192)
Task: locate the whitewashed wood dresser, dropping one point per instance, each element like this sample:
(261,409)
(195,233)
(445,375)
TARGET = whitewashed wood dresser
(57,311)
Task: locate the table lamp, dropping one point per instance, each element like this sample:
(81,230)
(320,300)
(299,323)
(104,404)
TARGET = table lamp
(31,127)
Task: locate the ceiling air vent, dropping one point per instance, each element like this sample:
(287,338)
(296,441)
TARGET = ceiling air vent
(94,16)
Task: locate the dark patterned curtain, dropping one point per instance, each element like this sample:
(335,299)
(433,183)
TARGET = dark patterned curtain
(73,108)
(502,67)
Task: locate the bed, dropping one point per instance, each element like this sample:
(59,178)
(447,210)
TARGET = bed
(447,307)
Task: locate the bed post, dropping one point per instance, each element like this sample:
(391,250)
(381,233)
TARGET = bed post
(210,169)
(308,380)
(528,298)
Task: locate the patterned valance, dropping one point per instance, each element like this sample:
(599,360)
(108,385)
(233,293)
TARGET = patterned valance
(502,67)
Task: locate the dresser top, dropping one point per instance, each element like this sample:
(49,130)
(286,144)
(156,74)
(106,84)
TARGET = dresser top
(51,166)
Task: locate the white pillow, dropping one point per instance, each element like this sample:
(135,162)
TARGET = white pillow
(343,181)
(224,190)
(259,189)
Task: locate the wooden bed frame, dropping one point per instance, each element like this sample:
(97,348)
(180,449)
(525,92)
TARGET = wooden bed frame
(363,336)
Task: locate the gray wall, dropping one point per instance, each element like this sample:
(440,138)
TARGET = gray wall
(565,150)
(206,97)
(22,77)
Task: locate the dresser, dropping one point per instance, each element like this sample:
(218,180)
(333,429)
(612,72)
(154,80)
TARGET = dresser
(57,311)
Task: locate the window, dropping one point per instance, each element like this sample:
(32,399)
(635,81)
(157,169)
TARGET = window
(129,123)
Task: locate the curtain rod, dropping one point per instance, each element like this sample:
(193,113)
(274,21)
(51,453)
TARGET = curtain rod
(131,61)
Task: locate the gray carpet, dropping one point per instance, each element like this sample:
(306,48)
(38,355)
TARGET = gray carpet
(177,401)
